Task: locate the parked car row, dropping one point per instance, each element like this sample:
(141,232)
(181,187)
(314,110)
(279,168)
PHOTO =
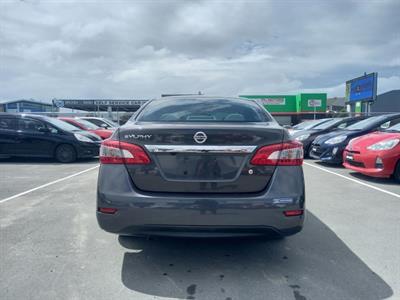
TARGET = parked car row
(65,139)
(368,145)
(88,126)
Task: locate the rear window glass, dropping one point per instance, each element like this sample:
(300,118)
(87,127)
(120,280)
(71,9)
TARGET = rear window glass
(203,110)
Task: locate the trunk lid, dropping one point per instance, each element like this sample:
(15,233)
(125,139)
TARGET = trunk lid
(201,158)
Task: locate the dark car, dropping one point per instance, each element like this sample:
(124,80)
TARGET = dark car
(201,166)
(307,136)
(41,136)
(329,147)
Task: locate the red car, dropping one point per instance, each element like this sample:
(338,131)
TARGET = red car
(85,125)
(376,154)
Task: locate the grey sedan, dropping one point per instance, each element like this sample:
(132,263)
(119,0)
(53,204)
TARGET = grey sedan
(201,166)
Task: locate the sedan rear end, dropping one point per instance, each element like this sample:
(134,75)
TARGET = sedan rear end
(201,167)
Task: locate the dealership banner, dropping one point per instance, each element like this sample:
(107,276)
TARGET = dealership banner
(314,102)
(76,103)
(273,101)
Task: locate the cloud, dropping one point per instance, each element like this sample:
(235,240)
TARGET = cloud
(143,49)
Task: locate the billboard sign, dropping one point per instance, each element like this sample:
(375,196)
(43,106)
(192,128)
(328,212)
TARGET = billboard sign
(362,88)
(273,101)
(89,104)
(314,102)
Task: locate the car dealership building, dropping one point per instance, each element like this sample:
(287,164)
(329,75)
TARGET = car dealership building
(25,106)
(290,109)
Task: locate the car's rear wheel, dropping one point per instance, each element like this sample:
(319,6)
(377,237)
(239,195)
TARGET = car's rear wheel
(65,153)
(396,173)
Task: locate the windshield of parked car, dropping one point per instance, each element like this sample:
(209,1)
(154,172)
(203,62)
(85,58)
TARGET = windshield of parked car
(328,124)
(395,128)
(61,124)
(203,110)
(87,124)
(308,124)
(364,124)
(112,123)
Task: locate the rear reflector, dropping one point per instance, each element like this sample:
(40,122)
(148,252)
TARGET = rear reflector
(292,213)
(285,154)
(116,152)
(107,210)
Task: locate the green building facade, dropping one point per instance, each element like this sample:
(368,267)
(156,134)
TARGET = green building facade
(293,108)
(307,102)
(304,102)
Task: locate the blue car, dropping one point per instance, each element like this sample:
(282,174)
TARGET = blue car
(329,147)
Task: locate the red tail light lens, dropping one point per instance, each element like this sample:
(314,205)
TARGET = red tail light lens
(107,210)
(292,213)
(116,152)
(285,154)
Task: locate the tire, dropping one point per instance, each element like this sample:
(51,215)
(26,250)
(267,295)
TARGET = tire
(65,154)
(396,174)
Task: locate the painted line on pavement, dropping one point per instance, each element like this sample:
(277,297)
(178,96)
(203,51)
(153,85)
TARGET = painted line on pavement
(354,180)
(46,185)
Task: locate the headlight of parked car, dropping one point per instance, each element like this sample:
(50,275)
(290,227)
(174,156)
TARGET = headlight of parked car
(336,140)
(384,145)
(82,138)
(302,137)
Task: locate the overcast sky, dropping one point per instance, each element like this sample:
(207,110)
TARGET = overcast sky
(127,49)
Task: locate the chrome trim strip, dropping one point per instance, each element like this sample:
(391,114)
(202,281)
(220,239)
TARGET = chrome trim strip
(199,149)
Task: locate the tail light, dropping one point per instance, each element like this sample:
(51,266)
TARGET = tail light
(284,154)
(293,213)
(116,152)
(107,210)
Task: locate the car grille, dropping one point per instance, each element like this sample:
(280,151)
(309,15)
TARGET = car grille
(353,152)
(355,163)
(316,149)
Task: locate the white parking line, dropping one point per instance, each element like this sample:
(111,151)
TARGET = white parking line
(354,180)
(47,184)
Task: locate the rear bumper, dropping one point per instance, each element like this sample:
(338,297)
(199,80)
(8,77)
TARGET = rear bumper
(200,215)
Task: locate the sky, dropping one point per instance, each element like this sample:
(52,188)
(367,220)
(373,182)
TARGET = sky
(141,49)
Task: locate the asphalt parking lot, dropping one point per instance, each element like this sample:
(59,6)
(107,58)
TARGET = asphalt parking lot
(52,248)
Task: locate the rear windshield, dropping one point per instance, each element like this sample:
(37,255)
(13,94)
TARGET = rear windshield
(203,110)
